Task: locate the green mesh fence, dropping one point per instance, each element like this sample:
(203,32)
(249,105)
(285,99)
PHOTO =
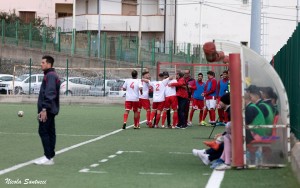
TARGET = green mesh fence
(287,64)
(118,48)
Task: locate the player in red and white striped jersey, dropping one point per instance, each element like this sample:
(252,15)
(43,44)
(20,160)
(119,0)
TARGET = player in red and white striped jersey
(132,87)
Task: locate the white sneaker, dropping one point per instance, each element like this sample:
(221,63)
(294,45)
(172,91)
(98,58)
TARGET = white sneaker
(204,158)
(162,126)
(44,161)
(223,166)
(190,123)
(196,151)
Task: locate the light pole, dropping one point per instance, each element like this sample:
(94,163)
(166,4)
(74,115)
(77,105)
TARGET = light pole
(140,34)
(99,28)
(74,28)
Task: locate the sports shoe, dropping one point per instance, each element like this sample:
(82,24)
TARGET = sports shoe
(162,126)
(44,161)
(196,151)
(189,123)
(212,144)
(223,166)
(216,163)
(204,158)
(124,126)
(156,126)
(174,127)
(203,123)
(220,124)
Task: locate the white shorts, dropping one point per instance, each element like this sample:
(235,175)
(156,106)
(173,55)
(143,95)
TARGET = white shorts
(211,103)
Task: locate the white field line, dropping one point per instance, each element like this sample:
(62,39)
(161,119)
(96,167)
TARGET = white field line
(21,165)
(215,179)
(180,153)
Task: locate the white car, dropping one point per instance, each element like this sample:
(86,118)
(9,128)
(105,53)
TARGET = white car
(75,86)
(5,80)
(98,88)
(22,84)
(117,90)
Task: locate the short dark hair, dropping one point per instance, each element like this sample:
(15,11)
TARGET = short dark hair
(134,74)
(180,74)
(49,59)
(161,75)
(211,73)
(253,89)
(165,73)
(200,73)
(225,71)
(144,73)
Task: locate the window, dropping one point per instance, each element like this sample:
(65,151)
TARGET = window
(40,78)
(63,10)
(129,7)
(33,79)
(27,16)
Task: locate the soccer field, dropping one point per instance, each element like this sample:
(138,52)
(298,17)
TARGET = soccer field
(93,151)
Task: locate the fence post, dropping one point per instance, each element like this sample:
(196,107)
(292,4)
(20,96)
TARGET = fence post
(119,51)
(67,85)
(104,63)
(171,51)
(136,50)
(89,43)
(153,52)
(3,31)
(44,38)
(30,35)
(189,53)
(73,41)
(17,33)
(58,39)
(30,64)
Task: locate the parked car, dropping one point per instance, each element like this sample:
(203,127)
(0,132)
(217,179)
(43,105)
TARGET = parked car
(75,86)
(5,83)
(98,88)
(22,84)
(117,90)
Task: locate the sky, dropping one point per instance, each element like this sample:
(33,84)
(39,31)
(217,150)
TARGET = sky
(230,20)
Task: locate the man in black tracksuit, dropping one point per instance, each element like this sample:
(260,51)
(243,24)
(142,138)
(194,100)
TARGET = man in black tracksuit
(48,108)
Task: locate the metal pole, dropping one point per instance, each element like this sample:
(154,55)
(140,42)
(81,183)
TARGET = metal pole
(67,85)
(30,64)
(200,22)
(99,28)
(236,106)
(255,36)
(74,28)
(297,16)
(140,33)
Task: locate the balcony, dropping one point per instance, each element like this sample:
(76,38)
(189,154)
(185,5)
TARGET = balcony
(150,23)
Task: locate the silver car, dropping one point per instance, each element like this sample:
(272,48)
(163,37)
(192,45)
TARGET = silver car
(75,86)
(98,88)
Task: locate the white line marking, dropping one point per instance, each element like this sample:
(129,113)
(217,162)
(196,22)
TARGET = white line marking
(21,165)
(155,173)
(133,151)
(103,160)
(111,156)
(84,170)
(180,153)
(119,152)
(215,179)
(94,165)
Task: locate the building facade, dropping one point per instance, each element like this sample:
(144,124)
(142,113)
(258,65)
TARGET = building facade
(48,10)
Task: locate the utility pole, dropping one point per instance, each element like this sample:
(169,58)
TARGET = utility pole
(140,34)
(255,36)
(99,29)
(74,28)
(200,22)
(297,12)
